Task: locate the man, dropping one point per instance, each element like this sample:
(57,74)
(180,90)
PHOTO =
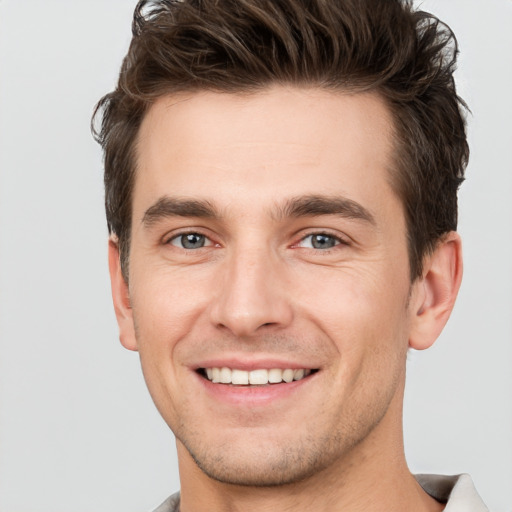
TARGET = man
(281,181)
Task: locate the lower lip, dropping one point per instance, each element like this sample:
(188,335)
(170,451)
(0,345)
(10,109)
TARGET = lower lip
(253,395)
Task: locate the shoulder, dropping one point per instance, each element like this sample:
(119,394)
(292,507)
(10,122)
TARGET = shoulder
(171,504)
(457,491)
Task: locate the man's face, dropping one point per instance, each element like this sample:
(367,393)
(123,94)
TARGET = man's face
(268,243)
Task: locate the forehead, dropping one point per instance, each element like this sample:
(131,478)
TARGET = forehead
(264,146)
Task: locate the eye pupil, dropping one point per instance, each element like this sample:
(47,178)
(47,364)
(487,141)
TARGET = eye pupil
(322,241)
(192,241)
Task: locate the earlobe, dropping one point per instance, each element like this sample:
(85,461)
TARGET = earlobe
(121,297)
(435,293)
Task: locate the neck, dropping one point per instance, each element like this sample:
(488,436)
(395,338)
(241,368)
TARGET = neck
(372,477)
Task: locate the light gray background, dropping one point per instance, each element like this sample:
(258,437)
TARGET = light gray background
(78,431)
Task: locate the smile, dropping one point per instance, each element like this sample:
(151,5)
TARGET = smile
(258,377)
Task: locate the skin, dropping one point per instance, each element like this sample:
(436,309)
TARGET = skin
(260,294)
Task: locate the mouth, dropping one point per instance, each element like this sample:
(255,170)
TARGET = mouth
(257,377)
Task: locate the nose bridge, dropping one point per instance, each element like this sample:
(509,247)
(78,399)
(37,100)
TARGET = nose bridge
(253,294)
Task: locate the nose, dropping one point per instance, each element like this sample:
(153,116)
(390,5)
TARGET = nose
(253,295)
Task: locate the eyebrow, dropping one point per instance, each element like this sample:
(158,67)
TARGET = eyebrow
(314,205)
(301,206)
(177,207)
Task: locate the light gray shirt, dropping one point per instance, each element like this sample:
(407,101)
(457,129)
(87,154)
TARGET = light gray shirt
(458,492)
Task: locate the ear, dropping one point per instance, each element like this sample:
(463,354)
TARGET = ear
(433,296)
(121,297)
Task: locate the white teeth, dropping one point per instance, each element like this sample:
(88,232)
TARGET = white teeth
(239,377)
(275,376)
(298,374)
(225,376)
(259,377)
(288,375)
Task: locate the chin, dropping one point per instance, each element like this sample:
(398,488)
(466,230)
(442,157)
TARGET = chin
(277,470)
(260,464)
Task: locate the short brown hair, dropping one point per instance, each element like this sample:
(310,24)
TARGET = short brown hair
(406,56)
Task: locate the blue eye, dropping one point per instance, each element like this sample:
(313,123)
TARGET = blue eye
(319,241)
(190,241)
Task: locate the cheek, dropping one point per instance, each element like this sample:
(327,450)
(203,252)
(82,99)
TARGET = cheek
(165,310)
(167,304)
(364,318)
(350,301)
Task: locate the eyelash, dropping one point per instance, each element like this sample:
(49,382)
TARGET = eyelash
(337,239)
(176,236)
